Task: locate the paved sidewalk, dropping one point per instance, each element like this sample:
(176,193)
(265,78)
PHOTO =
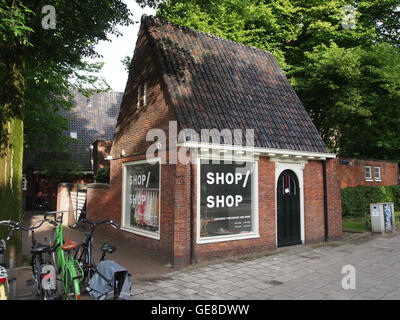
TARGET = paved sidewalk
(301,272)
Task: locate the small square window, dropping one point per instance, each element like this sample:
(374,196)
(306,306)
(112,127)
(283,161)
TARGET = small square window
(368,173)
(377,173)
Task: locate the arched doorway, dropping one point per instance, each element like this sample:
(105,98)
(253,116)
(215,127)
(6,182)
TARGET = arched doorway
(288,209)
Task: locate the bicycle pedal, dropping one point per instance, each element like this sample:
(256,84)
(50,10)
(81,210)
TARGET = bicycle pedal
(30,282)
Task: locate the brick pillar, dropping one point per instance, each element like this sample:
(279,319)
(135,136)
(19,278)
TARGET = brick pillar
(64,201)
(334,202)
(181,228)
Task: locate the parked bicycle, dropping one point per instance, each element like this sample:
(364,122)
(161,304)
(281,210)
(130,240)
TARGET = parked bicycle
(84,252)
(67,267)
(7,279)
(107,279)
(43,274)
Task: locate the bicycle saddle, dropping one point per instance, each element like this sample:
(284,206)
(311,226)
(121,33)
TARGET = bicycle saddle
(108,248)
(69,245)
(40,248)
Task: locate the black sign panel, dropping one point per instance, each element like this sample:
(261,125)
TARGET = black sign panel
(226,193)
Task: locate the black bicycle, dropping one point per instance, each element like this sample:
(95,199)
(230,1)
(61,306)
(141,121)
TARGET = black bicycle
(43,273)
(107,280)
(84,252)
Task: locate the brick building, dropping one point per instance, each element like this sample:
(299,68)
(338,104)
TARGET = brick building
(276,188)
(366,172)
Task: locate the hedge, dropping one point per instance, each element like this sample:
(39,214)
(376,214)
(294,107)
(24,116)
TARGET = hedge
(103,175)
(356,201)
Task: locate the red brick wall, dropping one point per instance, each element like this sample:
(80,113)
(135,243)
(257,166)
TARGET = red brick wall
(133,124)
(314,202)
(334,201)
(101,149)
(353,174)
(106,203)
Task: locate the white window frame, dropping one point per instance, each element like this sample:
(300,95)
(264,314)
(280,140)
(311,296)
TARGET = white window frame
(380,175)
(370,173)
(254,203)
(138,231)
(145,95)
(139,98)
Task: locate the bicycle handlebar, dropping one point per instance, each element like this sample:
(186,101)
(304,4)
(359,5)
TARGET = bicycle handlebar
(59,219)
(38,226)
(96,223)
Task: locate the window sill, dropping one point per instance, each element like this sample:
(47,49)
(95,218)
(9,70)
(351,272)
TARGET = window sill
(143,233)
(228,238)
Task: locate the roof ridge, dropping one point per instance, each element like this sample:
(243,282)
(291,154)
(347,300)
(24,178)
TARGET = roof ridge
(150,18)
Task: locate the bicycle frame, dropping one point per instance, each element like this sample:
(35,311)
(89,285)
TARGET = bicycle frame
(86,248)
(65,261)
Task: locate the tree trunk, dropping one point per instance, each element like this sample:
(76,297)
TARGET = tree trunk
(11,149)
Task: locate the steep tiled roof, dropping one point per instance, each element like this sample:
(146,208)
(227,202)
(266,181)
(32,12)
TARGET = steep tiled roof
(221,84)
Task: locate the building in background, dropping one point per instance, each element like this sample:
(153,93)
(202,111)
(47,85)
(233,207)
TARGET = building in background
(91,125)
(366,172)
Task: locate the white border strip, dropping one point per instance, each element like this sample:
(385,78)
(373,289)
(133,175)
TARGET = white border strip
(191,144)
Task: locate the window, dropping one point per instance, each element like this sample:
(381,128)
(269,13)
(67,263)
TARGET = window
(227,201)
(377,173)
(145,95)
(139,97)
(141,212)
(368,173)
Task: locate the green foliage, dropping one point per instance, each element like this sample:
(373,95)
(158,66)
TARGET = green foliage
(54,60)
(127,63)
(61,170)
(356,201)
(103,175)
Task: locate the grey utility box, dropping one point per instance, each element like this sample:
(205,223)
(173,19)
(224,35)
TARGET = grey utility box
(382,217)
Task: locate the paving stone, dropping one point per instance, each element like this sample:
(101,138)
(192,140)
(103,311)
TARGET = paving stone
(305,273)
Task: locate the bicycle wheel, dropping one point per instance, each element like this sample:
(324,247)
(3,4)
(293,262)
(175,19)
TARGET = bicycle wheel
(69,293)
(36,280)
(81,258)
(71,286)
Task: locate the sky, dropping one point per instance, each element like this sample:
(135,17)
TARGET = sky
(119,47)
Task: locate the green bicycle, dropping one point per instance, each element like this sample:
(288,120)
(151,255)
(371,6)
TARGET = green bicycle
(70,270)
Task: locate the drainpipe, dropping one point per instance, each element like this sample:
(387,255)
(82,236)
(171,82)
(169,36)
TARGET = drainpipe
(325,199)
(191,212)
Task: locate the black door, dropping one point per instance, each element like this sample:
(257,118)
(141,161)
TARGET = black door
(288,210)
